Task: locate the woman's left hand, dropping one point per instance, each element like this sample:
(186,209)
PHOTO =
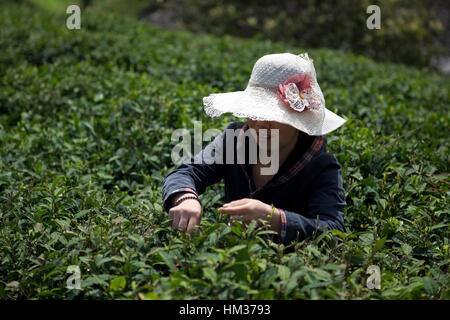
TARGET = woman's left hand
(247,210)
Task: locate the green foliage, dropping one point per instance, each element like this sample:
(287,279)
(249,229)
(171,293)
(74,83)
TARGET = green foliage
(85,124)
(410,30)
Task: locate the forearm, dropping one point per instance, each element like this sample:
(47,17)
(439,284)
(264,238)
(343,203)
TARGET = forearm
(275,221)
(187,178)
(178,196)
(196,175)
(172,194)
(298,227)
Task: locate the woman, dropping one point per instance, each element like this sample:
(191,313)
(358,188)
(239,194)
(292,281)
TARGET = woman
(283,103)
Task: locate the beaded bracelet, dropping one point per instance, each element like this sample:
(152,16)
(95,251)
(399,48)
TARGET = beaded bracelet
(185,198)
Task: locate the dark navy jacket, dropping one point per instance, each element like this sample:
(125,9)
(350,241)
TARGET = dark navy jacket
(307,188)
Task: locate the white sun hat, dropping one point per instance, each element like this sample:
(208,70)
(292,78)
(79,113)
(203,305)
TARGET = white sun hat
(282,88)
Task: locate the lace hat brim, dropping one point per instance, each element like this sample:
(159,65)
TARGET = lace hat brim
(260,103)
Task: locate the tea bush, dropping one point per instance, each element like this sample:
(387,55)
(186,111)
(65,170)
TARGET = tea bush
(86,119)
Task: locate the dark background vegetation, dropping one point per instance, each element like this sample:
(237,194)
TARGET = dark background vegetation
(412,32)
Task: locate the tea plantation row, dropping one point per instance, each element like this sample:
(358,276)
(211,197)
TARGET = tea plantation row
(86,119)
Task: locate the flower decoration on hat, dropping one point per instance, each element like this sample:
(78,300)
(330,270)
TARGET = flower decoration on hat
(294,92)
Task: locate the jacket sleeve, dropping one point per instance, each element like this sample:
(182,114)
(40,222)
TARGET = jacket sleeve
(194,176)
(325,208)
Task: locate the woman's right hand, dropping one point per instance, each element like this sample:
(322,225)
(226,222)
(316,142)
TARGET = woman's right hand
(186,215)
